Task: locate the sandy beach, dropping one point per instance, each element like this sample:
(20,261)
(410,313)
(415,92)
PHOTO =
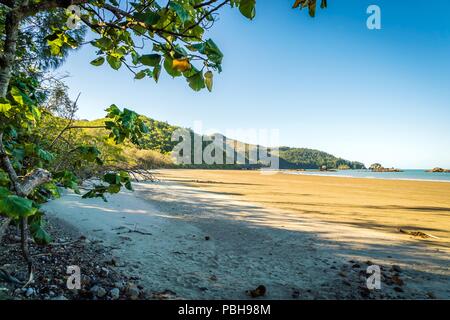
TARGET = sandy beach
(204,234)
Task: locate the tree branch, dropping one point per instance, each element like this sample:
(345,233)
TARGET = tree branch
(32,180)
(204,4)
(6,164)
(207,14)
(31,9)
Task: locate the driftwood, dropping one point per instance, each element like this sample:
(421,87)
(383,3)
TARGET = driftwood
(129,230)
(419,234)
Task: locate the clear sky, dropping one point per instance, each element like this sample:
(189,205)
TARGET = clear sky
(326,83)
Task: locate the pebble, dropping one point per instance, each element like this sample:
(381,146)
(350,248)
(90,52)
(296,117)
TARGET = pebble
(396,268)
(213,278)
(431,295)
(30,292)
(396,279)
(86,280)
(114,293)
(132,292)
(98,291)
(104,272)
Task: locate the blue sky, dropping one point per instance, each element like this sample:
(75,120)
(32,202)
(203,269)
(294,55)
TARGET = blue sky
(326,83)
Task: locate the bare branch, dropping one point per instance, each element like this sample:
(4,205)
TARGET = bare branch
(203,17)
(34,179)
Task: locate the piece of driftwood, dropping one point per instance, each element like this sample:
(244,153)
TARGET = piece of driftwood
(419,234)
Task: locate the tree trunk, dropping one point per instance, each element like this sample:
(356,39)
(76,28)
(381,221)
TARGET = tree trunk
(9,50)
(12,22)
(4,227)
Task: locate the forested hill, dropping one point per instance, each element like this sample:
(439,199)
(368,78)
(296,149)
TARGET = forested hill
(159,140)
(304,158)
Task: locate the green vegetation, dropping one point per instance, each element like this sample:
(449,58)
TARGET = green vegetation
(302,158)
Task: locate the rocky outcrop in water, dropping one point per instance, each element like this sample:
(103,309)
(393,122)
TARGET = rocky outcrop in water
(437,169)
(376,167)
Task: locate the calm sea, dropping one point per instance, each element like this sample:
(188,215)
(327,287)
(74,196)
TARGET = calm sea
(404,175)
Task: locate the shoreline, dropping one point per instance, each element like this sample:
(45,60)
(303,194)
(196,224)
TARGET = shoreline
(305,173)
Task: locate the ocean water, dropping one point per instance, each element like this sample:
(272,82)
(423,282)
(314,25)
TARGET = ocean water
(404,175)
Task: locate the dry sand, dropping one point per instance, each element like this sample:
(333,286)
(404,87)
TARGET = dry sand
(214,234)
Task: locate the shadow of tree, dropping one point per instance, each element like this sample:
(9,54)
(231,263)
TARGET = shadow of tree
(309,249)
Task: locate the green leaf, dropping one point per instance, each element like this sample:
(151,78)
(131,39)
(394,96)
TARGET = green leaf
(209,80)
(41,236)
(98,62)
(17,207)
(17,96)
(180,10)
(212,51)
(114,62)
(128,185)
(156,73)
(113,111)
(37,230)
(51,189)
(36,113)
(111,178)
(68,180)
(5,106)
(103,43)
(148,17)
(248,8)
(196,82)
(151,60)
(114,188)
(45,155)
(4,192)
(140,75)
(168,66)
